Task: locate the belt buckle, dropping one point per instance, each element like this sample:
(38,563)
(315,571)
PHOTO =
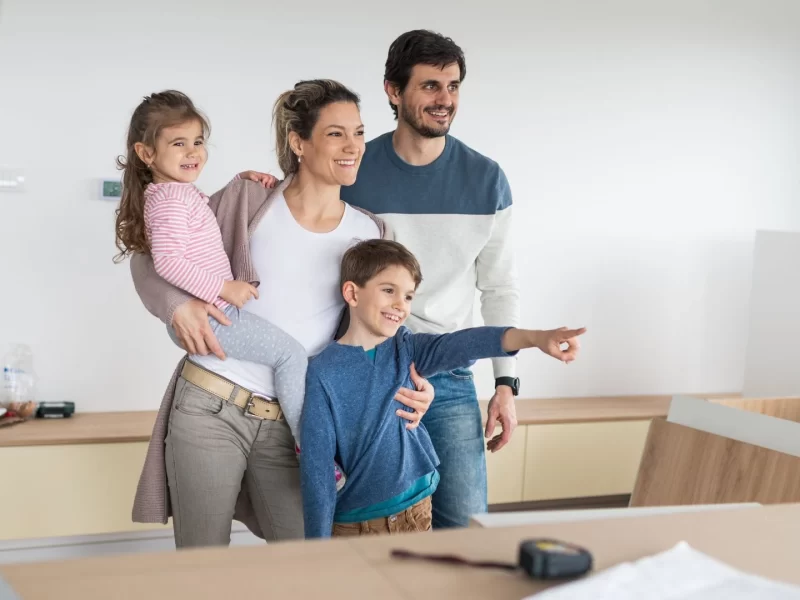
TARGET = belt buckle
(250,404)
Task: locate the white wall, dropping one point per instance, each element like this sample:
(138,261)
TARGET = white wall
(645,142)
(771,367)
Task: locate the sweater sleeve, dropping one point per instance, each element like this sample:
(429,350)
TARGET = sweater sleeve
(434,353)
(167,220)
(160,298)
(497,277)
(317,455)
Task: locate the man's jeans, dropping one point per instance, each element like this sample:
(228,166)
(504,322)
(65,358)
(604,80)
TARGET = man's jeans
(454,424)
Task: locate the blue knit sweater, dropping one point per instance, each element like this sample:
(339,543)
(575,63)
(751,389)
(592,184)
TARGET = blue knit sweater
(349,415)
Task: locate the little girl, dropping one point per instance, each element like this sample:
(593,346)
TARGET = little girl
(163,213)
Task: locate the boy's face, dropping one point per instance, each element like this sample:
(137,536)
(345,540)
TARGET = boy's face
(384,303)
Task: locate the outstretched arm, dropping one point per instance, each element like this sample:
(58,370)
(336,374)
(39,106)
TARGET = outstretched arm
(548,341)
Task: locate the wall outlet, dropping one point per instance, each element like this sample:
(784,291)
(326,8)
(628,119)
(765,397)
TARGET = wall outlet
(111,189)
(12,179)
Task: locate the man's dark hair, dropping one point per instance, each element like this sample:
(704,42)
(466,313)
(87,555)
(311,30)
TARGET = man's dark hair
(420,47)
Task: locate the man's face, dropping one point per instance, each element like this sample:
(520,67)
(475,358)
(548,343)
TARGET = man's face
(429,102)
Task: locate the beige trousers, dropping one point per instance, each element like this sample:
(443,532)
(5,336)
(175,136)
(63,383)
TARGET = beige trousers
(212,450)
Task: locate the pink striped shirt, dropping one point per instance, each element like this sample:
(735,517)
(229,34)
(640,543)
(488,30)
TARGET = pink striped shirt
(185,240)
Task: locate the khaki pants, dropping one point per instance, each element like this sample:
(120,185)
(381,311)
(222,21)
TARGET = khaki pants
(414,518)
(211,446)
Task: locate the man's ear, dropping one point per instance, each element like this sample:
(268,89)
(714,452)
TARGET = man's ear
(350,293)
(392,92)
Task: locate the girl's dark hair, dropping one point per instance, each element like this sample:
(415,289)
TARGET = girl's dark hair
(420,47)
(155,113)
(298,110)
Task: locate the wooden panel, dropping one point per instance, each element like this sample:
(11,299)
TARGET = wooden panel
(781,408)
(505,470)
(681,465)
(50,491)
(582,459)
(81,428)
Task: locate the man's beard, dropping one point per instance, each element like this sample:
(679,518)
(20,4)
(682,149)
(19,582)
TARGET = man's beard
(426,130)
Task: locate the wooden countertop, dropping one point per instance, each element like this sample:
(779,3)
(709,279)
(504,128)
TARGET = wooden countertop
(598,409)
(761,540)
(119,427)
(81,428)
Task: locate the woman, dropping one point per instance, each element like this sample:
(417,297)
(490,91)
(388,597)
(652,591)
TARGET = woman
(220,442)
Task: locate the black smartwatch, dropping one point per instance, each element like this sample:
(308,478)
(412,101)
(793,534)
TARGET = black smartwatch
(512,382)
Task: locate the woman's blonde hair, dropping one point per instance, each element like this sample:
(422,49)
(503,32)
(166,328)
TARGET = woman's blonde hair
(297,110)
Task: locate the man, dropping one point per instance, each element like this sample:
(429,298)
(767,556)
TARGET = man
(451,207)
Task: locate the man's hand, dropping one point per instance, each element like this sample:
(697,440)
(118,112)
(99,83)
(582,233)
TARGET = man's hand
(190,322)
(265,179)
(238,293)
(502,411)
(419,401)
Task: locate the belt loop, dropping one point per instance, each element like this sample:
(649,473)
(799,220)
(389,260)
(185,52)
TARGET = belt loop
(234,394)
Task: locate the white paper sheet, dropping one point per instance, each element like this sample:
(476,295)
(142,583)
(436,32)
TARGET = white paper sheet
(681,573)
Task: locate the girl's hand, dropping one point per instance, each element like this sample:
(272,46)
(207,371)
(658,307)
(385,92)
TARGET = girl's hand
(265,179)
(238,293)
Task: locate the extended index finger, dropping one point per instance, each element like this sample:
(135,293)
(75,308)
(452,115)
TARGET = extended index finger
(571,333)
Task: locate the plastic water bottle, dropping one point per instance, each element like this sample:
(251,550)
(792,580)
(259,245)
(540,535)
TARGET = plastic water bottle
(18,376)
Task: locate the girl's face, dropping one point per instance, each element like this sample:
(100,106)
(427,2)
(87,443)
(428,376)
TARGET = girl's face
(333,153)
(180,153)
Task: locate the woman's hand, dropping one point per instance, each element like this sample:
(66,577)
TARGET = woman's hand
(419,401)
(190,322)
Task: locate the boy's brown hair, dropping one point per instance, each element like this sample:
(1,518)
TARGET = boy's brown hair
(366,259)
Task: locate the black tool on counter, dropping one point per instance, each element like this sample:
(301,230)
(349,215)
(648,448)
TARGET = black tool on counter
(552,559)
(539,558)
(55,410)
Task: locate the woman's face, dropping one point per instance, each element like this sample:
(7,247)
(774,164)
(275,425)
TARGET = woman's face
(333,154)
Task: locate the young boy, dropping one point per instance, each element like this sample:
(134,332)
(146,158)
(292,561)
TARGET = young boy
(350,414)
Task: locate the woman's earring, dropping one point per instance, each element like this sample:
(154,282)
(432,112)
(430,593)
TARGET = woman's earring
(299,159)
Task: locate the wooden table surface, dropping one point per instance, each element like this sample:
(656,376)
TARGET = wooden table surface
(761,540)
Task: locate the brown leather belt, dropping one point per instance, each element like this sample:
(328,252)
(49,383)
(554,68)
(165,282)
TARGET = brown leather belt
(254,405)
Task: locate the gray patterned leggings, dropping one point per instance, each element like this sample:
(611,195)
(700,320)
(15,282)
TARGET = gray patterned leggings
(257,340)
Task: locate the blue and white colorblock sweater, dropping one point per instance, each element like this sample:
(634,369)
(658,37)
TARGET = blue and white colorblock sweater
(455,216)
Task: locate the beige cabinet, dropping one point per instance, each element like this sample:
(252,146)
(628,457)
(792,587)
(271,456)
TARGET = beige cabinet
(81,489)
(570,460)
(88,488)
